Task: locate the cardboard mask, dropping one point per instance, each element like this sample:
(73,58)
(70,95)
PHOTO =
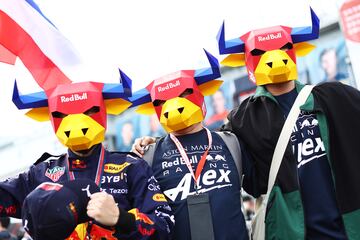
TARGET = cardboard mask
(77,110)
(269,53)
(178,98)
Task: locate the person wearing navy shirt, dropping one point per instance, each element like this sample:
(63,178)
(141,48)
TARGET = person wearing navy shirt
(322,216)
(144,212)
(131,205)
(316,192)
(219,178)
(198,173)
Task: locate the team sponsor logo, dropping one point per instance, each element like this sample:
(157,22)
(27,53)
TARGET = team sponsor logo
(153,184)
(116,190)
(306,140)
(146,232)
(194,149)
(209,180)
(215,161)
(115,168)
(310,123)
(87,190)
(55,173)
(73,97)
(114,179)
(269,36)
(78,164)
(159,197)
(216,158)
(178,161)
(168,86)
(10,210)
(141,217)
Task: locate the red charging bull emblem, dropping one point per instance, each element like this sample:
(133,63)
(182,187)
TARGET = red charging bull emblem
(140,216)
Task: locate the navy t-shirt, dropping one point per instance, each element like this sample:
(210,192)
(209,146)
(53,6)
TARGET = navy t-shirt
(322,216)
(219,178)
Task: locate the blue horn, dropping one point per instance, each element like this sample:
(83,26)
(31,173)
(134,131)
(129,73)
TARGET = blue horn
(140,97)
(302,34)
(32,100)
(118,90)
(207,74)
(235,45)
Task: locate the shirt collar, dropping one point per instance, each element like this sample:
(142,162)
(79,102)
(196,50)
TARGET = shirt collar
(261,91)
(94,155)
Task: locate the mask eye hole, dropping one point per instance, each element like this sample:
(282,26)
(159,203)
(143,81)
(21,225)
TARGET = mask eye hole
(92,110)
(287,46)
(257,52)
(57,114)
(158,102)
(187,92)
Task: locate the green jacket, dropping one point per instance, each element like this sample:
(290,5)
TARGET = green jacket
(258,122)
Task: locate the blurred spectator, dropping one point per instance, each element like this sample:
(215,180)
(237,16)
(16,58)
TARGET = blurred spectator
(4,233)
(220,112)
(329,63)
(155,128)
(126,137)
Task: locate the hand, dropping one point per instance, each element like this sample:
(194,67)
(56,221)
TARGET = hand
(140,144)
(103,209)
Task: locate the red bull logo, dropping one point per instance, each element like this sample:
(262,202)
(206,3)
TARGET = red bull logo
(141,217)
(74,97)
(146,232)
(100,233)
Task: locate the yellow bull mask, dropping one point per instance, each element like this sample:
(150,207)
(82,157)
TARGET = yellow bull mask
(269,53)
(77,110)
(178,98)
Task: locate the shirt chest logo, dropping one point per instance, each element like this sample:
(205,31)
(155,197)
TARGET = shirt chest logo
(115,168)
(306,140)
(55,173)
(209,180)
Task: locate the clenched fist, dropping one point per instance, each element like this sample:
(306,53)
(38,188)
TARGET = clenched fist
(103,209)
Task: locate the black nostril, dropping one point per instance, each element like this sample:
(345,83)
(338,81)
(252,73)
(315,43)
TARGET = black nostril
(269,64)
(166,115)
(181,109)
(84,130)
(67,133)
(285,61)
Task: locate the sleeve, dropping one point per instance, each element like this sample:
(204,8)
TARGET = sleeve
(151,216)
(227,126)
(13,192)
(249,171)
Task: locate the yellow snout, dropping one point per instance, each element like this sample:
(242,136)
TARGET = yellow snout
(275,67)
(179,113)
(80,132)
